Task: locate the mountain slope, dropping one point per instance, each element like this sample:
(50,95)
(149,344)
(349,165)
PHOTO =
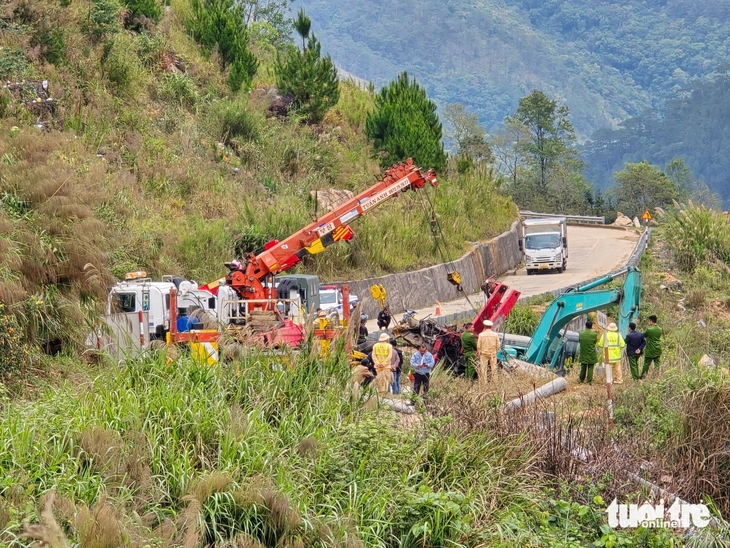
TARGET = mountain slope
(604,60)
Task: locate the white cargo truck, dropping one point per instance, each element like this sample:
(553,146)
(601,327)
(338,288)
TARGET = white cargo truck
(544,243)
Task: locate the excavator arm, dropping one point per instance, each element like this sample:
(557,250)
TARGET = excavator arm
(254,280)
(581,301)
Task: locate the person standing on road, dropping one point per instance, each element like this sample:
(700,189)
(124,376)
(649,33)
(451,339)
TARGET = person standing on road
(587,339)
(469,348)
(395,387)
(385,360)
(635,343)
(653,352)
(384,317)
(422,363)
(615,343)
(487,347)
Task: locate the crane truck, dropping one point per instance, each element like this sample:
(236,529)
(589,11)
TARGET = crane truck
(253,294)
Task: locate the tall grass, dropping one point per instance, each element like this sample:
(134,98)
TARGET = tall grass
(280,455)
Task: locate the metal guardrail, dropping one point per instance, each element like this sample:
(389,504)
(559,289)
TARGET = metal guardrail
(570,219)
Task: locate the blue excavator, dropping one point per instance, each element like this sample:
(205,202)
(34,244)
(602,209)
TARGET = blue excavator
(547,346)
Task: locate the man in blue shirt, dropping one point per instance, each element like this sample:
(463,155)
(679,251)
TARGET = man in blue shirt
(635,343)
(422,363)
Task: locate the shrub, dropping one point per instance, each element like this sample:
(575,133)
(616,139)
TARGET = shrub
(12,63)
(149,9)
(522,320)
(220,24)
(310,78)
(121,65)
(51,42)
(698,235)
(696,299)
(103,18)
(178,88)
(233,121)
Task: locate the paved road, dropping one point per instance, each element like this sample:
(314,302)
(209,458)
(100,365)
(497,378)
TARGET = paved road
(592,251)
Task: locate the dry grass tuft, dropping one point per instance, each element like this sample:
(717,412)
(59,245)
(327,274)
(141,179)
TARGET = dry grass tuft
(104,450)
(285,517)
(100,526)
(203,487)
(48,532)
(309,447)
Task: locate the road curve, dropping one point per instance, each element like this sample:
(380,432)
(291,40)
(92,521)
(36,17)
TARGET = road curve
(592,251)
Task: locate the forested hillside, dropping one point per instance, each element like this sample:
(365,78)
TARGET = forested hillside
(692,125)
(605,60)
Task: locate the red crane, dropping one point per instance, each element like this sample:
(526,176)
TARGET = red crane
(254,280)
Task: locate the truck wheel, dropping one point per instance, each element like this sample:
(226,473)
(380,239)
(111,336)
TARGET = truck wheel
(529,272)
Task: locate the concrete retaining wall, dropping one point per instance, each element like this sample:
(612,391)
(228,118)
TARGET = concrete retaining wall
(424,287)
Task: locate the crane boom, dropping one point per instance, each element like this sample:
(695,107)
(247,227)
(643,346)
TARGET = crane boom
(255,279)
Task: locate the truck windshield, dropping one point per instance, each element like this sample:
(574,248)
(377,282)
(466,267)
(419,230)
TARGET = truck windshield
(542,241)
(328,297)
(124,302)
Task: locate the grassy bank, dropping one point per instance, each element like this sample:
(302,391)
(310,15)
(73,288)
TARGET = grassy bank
(256,453)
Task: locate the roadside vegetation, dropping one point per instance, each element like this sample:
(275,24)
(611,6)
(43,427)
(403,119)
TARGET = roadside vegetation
(159,151)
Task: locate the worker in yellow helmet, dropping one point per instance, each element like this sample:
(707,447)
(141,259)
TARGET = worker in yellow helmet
(385,360)
(615,343)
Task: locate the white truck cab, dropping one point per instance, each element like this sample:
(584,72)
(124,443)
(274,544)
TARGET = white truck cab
(137,293)
(330,297)
(544,243)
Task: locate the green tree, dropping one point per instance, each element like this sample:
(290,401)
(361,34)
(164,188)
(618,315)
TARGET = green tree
(268,19)
(506,149)
(310,78)
(405,125)
(689,187)
(467,134)
(550,132)
(642,186)
(220,24)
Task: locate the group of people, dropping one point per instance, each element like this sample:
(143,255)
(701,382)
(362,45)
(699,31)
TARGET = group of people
(385,364)
(636,345)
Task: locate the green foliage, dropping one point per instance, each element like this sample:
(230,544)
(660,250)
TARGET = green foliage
(178,88)
(103,18)
(688,128)
(271,450)
(522,320)
(698,235)
(469,137)
(310,78)
(122,68)
(268,21)
(149,9)
(234,122)
(220,24)
(12,63)
(642,186)
(550,132)
(405,125)
(51,43)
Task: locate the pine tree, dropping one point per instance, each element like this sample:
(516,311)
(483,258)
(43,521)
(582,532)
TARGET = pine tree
(405,125)
(219,23)
(310,78)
